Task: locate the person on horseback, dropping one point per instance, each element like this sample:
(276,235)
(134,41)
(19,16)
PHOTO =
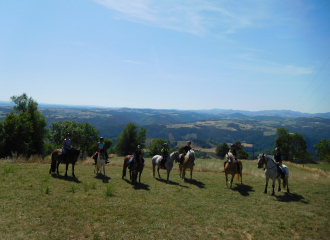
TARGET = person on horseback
(278,160)
(137,157)
(99,148)
(185,151)
(66,146)
(164,153)
(235,153)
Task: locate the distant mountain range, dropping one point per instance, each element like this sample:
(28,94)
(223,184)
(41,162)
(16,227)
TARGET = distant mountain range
(206,112)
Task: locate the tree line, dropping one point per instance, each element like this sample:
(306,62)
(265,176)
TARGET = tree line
(24,132)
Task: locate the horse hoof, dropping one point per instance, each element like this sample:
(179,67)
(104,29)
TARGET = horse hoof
(265,192)
(273,194)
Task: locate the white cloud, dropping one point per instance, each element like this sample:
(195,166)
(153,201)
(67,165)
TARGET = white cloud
(194,16)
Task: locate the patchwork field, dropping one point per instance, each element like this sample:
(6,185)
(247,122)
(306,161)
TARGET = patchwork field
(37,205)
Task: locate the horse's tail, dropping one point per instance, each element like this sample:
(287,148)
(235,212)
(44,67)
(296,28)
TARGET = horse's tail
(284,182)
(124,168)
(53,164)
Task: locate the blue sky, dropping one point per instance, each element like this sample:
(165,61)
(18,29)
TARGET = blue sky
(243,55)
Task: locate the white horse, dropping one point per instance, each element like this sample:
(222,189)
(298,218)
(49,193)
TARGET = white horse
(271,172)
(168,164)
(101,159)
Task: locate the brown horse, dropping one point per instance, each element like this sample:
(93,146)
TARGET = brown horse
(231,168)
(187,163)
(57,158)
(134,169)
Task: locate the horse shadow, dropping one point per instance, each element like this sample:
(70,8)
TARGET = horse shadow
(243,189)
(195,182)
(171,182)
(138,186)
(105,179)
(68,178)
(291,197)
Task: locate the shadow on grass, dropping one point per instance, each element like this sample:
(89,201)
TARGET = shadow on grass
(291,197)
(68,178)
(195,182)
(141,186)
(105,179)
(170,182)
(244,190)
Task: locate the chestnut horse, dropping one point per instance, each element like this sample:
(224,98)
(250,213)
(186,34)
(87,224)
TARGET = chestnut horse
(231,168)
(57,158)
(135,167)
(187,163)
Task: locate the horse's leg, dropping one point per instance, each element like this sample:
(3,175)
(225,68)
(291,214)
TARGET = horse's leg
(104,169)
(168,176)
(267,179)
(279,184)
(58,163)
(231,181)
(191,170)
(273,193)
(140,177)
(66,170)
(73,170)
(287,184)
(226,179)
(158,172)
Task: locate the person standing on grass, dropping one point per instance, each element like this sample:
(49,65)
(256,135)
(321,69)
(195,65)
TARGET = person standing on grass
(278,160)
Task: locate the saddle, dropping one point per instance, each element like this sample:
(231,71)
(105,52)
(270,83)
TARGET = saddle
(280,172)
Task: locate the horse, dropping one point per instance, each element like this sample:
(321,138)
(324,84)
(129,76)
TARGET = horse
(135,168)
(101,159)
(231,168)
(271,172)
(187,163)
(57,157)
(168,164)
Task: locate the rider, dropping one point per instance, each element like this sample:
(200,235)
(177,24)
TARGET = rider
(278,160)
(100,147)
(66,146)
(164,153)
(185,151)
(137,157)
(235,153)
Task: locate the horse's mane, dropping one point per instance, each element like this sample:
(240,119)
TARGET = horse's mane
(230,156)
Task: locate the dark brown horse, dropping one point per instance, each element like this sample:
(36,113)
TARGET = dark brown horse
(57,158)
(135,168)
(231,168)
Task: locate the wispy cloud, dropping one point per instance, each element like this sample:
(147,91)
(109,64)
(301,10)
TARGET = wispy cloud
(194,16)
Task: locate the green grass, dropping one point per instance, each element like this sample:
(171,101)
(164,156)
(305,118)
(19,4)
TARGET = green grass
(89,207)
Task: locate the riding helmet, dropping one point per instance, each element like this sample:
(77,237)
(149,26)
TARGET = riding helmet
(232,145)
(101,138)
(189,141)
(165,144)
(138,146)
(68,134)
(277,149)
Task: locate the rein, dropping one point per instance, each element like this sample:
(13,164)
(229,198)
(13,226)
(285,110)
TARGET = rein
(266,164)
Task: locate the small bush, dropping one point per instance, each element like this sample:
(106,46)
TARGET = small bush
(109,191)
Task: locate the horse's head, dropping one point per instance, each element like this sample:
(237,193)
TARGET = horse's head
(175,155)
(76,153)
(230,157)
(261,160)
(191,155)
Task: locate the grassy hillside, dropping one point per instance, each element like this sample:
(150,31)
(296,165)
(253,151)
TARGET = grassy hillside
(37,205)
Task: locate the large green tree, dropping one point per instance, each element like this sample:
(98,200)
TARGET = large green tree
(156,146)
(83,135)
(222,149)
(292,146)
(323,150)
(130,138)
(23,131)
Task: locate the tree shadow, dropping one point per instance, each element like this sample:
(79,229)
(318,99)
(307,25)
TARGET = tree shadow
(68,178)
(243,189)
(291,197)
(105,179)
(195,182)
